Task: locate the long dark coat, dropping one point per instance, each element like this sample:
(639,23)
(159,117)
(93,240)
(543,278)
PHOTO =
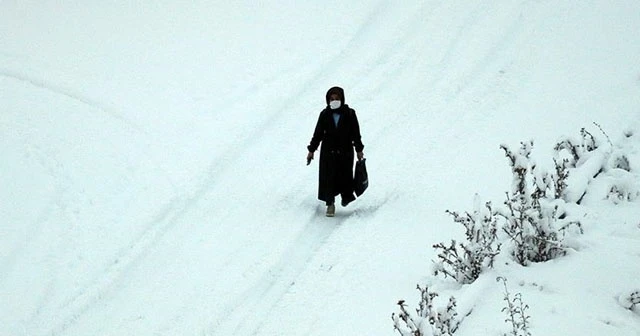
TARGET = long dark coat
(337,151)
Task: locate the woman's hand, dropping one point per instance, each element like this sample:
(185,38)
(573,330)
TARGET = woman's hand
(360,155)
(309,158)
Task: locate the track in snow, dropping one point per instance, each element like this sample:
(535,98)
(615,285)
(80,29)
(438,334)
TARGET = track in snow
(245,314)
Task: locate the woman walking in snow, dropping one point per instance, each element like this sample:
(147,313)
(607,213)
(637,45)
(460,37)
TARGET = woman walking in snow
(339,132)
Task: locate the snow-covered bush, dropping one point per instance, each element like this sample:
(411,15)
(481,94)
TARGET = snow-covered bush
(429,321)
(516,312)
(622,183)
(465,261)
(620,161)
(597,169)
(534,222)
(577,148)
(623,187)
(536,215)
(560,178)
(582,157)
(630,300)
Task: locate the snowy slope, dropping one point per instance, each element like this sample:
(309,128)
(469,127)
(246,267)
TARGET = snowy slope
(153,167)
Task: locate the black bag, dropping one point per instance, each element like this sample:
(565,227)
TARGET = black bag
(360,178)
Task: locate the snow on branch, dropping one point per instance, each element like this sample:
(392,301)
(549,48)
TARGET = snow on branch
(429,320)
(465,261)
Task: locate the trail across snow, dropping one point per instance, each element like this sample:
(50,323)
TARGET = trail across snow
(153,171)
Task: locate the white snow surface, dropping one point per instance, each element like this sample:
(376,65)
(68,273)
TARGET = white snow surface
(153,177)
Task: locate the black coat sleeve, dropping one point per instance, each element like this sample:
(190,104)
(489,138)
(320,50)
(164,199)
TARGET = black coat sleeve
(318,135)
(356,138)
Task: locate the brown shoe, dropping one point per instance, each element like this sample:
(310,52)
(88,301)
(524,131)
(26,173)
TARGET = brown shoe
(331,210)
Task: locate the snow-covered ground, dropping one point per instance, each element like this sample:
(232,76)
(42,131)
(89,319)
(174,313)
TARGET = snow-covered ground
(153,177)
